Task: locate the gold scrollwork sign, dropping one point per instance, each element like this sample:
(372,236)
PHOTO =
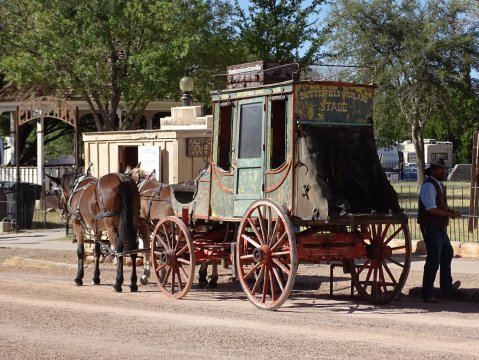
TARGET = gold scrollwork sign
(198,147)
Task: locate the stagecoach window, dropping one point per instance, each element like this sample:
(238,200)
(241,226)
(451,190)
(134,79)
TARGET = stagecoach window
(224,139)
(250,131)
(277,147)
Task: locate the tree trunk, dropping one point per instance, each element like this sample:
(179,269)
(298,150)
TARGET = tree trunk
(418,141)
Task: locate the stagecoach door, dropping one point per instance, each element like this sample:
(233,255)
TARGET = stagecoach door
(249,154)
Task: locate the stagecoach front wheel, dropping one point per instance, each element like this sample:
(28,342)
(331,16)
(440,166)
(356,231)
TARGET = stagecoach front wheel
(173,257)
(266,255)
(380,276)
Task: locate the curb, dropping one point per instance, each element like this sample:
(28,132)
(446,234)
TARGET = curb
(463,250)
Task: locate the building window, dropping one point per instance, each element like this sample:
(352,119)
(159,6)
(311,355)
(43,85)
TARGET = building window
(439,156)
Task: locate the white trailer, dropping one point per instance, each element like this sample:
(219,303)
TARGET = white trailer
(433,149)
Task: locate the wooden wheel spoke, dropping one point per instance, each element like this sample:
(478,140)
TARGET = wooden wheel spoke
(385,231)
(394,234)
(388,271)
(167,235)
(282,266)
(375,279)
(173,275)
(180,285)
(278,278)
(398,247)
(168,272)
(182,251)
(180,267)
(246,257)
(382,280)
(183,261)
(269,230)
(255,229)
(280,253)
(275,230)
(258,280)
(160,267)
(265,284)
(165,245)
(368,276)
(373,232)
(251,241)
(280,241)
(364,266)
(396,262)
(271,282)
(180,235)
(253,269)
(261,225)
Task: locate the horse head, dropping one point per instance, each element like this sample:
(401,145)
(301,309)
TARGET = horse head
(136,174)
(65,185)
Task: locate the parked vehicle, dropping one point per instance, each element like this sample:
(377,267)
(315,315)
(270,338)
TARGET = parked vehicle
(433,149)
(389,157)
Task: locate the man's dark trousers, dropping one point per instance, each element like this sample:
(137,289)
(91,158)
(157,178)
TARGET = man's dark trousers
(439,253)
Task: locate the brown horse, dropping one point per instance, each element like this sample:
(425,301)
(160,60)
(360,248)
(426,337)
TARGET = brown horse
(155,199)
(110,204)
(156,205)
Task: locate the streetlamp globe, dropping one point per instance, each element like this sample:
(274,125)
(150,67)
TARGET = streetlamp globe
(186,86)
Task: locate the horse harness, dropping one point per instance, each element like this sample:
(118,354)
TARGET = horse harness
(152,197)
(80,189)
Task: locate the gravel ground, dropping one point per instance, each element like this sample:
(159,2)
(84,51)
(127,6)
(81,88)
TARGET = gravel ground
(44,316)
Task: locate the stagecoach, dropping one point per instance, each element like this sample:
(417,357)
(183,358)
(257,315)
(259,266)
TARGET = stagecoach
(293,177)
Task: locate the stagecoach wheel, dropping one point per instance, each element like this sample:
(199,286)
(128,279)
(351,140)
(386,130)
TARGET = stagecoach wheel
(381,275)
(266,255)
(173,257)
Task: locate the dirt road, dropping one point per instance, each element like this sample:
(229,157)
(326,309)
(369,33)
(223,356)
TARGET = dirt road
(44,316)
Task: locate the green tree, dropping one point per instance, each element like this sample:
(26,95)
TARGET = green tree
(281,30)
(420,53)
(118,54)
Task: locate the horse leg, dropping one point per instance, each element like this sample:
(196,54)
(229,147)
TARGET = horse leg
(202,275)
(113,234)
(97,254)
(214,276)
(144,231)
(80,253)
(134,279)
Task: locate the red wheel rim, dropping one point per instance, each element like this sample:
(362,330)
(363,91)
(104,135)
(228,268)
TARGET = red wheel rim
(380,277)
(172,257)
(266,255)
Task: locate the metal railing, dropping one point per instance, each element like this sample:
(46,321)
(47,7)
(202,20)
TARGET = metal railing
(458,197)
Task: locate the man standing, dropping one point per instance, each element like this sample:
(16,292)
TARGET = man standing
(433,218)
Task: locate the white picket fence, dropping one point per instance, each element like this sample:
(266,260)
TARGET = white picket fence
(28,174)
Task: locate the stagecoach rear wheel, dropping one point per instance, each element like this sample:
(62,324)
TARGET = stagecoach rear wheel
(266,255)
(173,257)
(381,275)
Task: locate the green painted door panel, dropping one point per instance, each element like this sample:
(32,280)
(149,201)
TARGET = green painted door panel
(249,156)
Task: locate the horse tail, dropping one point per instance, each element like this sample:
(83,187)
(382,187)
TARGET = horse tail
(127,236)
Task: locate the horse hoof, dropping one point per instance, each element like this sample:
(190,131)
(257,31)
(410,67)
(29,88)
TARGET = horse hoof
(202,283)
(78,282)
(213,284)
(117,288)
(144,280)
(133,288)
(95,282)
